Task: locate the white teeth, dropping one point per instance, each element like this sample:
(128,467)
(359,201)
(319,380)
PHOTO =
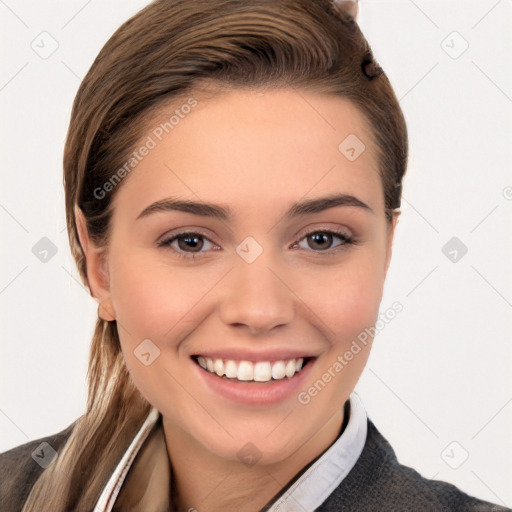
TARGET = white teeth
(290,368)
(218,366)
(231,369)
(245,371)
(261,371)
(278,370)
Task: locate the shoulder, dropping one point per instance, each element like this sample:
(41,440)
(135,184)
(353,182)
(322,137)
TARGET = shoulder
(379,482)
(22,465)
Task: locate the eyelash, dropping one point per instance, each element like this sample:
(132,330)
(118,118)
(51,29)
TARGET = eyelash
(347,240)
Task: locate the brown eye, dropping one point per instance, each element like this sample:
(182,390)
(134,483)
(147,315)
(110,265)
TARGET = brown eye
(190,241)
(187,244)
(322,241)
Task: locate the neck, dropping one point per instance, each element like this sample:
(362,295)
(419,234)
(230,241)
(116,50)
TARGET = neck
(204,481)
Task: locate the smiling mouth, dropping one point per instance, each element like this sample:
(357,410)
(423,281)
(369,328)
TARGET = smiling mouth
(248,371)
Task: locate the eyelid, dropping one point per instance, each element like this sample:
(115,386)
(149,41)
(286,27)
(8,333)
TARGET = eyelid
(340,230)
(342,233)
(166,240)
(169,235)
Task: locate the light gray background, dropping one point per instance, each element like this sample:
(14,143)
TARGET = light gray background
(438,381)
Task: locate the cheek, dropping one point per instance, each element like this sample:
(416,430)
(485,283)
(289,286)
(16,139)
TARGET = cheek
(348,297)
(348,307)
(358,303)
(152,302)
(152,299)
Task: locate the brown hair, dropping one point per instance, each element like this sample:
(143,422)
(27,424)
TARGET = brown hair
(165,52)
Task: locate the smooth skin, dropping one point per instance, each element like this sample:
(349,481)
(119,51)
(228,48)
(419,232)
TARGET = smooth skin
(256,152)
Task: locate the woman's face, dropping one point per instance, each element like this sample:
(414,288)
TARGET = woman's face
(255,281)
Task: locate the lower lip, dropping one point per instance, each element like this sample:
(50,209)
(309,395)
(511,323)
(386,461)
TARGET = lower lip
(255,393)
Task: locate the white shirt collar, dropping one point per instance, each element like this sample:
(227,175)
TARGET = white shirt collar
(306,494)
(319,481)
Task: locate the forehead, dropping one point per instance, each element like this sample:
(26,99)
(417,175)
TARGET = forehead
(255,145)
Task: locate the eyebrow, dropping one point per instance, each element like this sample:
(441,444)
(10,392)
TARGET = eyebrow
(225,213)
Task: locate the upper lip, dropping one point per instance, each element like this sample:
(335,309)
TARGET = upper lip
(245,355)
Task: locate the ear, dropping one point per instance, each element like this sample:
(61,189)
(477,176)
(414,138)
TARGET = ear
(391,227)
(97,269)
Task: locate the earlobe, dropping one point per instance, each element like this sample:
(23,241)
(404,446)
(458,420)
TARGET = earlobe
(106,311)
(96,259)
(100,277)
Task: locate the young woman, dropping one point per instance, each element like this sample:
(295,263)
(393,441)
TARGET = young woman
(233,175)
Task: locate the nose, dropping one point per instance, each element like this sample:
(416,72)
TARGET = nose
(256,296)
